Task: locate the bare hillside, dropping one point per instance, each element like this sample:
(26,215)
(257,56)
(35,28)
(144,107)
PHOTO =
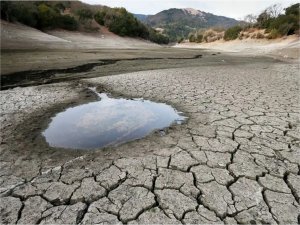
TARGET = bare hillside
(284,48)
(18,36)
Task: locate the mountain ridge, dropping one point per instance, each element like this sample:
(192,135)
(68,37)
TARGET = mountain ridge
(179,22)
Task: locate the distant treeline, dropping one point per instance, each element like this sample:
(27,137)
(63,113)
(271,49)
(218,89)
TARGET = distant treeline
(50,15)
(279,24)
(272,20)
(40,15)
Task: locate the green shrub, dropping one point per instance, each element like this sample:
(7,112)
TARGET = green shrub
(84,14)
(196,38)
(120,22)
(67,22)
(232,33)
(181,39)
(273,34)
(47,16)
(285,29)
(192,38)
(199,38)
(100,16)
(157,37)
(285,24)
(22,12)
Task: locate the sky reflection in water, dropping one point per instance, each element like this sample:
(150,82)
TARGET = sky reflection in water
(108,121)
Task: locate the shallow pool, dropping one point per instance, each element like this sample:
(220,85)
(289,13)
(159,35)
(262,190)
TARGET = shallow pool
(109,121)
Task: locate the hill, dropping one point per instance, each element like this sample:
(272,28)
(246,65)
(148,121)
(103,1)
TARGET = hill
(178,23)
(77,16)
(18,36)
(141,17)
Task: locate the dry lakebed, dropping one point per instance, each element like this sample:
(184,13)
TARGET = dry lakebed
(234,159)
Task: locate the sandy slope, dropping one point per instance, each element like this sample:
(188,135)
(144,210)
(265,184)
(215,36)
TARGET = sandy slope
(100,40)
(18,36)
(285,48)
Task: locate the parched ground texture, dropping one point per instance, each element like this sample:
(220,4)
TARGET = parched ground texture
(235,160)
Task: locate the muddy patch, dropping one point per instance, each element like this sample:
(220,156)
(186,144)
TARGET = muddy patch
(109,121)
(38,77)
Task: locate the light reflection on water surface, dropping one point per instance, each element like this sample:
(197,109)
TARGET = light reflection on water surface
(109,121)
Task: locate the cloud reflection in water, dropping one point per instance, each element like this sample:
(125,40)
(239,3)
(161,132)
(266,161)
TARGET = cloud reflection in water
(108,121)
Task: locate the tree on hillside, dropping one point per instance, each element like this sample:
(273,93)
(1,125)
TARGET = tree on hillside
(123,23)
(250,19)
(6,8)
(274,10)
(49,15)
(100,16)
(46,16)
(120,21)
(293,10)
(84,14)
(60,7)
(288,23)
(263,20)
(278,24)
(23,12)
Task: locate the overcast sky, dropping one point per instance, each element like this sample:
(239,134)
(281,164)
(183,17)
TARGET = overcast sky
(231,8)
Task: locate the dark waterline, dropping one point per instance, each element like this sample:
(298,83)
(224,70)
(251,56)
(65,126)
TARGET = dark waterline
(36,77)
(109,121)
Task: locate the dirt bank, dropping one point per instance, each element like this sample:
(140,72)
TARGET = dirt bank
(18,36)
(287,48)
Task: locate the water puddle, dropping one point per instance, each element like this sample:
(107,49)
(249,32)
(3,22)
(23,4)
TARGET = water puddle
(109,121)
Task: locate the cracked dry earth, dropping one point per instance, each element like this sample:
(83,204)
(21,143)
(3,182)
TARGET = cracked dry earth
(235,160)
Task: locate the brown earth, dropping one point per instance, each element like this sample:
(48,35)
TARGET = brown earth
(286,48)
